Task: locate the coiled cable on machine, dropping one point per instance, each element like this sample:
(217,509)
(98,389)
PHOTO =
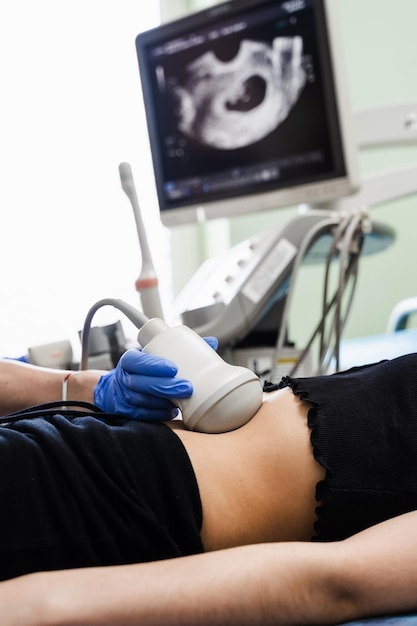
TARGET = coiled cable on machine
(347,242)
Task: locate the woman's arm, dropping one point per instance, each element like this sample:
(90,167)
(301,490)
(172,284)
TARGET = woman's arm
(256,585)
(23,385)
(373,573)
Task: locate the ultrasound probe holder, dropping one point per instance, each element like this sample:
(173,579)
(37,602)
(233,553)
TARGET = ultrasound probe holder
(229,296)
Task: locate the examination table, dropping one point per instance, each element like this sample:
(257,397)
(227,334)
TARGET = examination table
(398,620)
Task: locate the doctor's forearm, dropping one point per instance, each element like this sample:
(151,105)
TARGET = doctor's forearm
(23,385)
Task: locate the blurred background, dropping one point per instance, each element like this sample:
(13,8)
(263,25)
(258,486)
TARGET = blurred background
(71,111)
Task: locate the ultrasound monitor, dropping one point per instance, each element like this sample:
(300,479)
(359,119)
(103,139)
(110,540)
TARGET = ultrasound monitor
(247,109)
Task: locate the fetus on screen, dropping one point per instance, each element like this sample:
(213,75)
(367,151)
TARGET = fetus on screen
(229,105)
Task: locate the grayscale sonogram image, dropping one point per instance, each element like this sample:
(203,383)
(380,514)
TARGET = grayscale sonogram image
(232,104)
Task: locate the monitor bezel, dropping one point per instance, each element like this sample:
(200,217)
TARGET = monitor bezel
(318,193)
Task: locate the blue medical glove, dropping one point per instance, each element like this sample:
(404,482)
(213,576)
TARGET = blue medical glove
(141,385)
(212,342)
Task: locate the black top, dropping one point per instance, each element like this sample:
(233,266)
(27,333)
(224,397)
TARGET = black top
(364,433)
(89,491)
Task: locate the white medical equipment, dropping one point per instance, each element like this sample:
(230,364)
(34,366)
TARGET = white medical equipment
(247,109)
(243,296)
(147,282)
(224,396)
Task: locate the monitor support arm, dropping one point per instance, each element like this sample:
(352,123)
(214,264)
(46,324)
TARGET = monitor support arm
(389,125)
(382,127)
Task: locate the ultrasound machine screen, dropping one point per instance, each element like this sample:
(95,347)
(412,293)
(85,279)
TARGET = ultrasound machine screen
(246,109)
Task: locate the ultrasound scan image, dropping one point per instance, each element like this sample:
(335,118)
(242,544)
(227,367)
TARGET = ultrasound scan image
(230,105)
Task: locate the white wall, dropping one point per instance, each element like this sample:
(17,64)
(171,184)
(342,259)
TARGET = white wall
(380,48)
(381,55)
(70,112)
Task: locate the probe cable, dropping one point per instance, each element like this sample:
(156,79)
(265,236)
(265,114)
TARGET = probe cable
(346,241)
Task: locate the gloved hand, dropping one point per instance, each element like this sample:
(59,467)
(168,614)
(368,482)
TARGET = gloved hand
(141,385)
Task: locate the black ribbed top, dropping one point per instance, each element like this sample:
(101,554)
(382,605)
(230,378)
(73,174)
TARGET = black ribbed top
(364,432)
(83,491)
